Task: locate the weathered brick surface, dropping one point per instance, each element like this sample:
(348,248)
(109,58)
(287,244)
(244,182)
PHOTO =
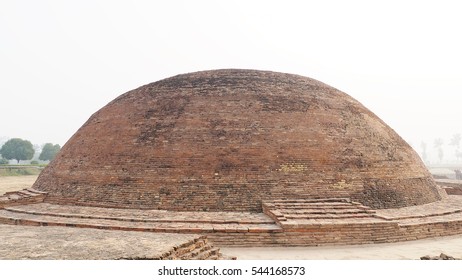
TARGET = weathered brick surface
(453,190)
(52,243)
(26,196)
(451,187)
(226,140)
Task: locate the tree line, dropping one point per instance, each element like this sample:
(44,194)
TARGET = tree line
(438,144)
(19,149)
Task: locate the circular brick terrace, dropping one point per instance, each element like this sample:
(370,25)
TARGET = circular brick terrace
(289,222)
(284,223)
(226,140)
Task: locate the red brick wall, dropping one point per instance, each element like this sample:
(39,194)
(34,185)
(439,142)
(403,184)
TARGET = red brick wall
(225,140)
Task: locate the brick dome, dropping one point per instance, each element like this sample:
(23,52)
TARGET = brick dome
(225,140)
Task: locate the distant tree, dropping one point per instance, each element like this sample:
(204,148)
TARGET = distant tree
(455,141)
(38,151)
(440,154)
(17,149)
(49,151)
(4,161)
(458,154)
(423,145)
(438,144)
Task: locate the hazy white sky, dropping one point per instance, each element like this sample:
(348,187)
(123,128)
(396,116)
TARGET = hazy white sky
(60,61)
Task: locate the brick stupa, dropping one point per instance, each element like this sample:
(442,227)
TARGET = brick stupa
(226,140)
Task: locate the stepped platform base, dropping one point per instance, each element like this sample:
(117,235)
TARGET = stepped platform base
(21,197)
(297,222)
(53,243)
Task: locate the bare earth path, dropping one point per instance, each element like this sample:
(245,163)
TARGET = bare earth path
(15,183)
(413,250)
(59,243)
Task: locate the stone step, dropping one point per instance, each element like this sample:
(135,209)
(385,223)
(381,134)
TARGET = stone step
(24,194)
(193,254)
(14,196)
(308,200)
(27,193)
(286,212)
(327,216)
(35,191)
(20,197)
(9,217)
(310,204)
(212,254)
(315,204)
(290,213)
(187,249)
(21,209)
(197,249)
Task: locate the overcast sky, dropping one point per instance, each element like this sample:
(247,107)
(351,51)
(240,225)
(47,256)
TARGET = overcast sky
(60,61)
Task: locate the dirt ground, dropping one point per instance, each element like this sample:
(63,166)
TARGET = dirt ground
(61,243)
(15,183)
(410,250)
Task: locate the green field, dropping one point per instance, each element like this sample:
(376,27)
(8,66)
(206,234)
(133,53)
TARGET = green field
(16,170)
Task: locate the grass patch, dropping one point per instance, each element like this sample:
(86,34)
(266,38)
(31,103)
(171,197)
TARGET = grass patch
(19,171)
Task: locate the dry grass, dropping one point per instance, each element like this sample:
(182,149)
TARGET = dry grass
(15,183)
